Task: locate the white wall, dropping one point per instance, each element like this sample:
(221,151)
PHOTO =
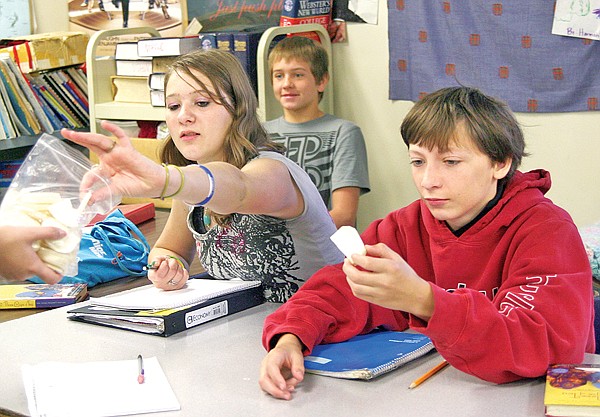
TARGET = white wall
(50,16)
(566,144)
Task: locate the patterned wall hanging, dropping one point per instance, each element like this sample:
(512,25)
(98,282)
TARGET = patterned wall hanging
(505,48)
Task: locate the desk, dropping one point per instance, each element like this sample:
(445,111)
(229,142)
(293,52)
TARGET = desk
(151,230)
(213,369)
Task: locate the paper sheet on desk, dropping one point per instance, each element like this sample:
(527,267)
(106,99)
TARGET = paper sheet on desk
(97,389)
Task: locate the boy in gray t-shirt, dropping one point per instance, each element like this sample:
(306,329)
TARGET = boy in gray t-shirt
(331,150)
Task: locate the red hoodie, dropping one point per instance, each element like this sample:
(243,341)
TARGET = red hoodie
(512,294)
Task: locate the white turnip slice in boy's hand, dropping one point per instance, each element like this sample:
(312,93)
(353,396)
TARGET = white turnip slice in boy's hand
(348,241)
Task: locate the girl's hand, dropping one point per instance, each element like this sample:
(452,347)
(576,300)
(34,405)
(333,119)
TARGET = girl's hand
(168,273)
(130,173)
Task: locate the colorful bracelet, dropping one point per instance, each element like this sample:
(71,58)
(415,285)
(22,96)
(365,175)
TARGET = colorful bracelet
(179,261)
(211,187)
(182,175)
(164,190)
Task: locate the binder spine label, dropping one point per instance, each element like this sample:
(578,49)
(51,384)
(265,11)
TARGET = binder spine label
(202,315)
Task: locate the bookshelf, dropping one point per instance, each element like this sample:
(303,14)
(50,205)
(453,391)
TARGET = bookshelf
(99,70)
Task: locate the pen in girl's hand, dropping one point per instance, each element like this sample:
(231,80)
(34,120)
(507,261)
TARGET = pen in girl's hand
(150,266)
(141,376)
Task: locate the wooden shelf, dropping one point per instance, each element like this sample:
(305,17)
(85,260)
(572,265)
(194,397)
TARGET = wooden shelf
(18,148)
(128,111)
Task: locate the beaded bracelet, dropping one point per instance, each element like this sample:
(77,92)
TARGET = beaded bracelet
(182,175)
(211,187)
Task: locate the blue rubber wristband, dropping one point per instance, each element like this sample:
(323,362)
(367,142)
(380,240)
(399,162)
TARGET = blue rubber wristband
(211,187)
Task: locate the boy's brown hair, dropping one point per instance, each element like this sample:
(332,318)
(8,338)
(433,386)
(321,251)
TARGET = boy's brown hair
(489,122)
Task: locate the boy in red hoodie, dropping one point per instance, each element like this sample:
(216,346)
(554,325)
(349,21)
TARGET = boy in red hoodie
(485,265)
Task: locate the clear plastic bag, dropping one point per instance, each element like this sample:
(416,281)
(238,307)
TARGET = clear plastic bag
(46,192)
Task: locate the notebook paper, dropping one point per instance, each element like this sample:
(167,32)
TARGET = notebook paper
(151,298)
(97,389)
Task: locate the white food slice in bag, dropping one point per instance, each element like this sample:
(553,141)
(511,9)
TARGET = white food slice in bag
(64,212)
(68,243)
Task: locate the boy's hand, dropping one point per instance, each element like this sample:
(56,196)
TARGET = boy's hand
(384,278)
(283,368)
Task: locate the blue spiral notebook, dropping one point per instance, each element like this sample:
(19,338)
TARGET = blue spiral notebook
(367,356)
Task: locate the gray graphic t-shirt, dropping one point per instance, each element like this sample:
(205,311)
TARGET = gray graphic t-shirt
(331,150)
(280,253)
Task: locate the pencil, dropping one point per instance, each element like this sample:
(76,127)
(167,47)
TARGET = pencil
(428,374)
(141,377)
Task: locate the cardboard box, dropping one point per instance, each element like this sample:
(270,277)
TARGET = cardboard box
(46,50)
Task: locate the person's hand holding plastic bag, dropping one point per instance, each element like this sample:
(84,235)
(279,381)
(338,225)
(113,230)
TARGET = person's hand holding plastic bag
(47,191)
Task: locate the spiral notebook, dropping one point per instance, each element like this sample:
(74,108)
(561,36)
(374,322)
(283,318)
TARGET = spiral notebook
(149,297)
(367,356)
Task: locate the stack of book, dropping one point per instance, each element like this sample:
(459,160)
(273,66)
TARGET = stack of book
(243,44)
(132,71)
(146,61)
(163,51)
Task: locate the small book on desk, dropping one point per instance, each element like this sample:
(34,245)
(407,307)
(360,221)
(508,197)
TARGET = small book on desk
(367,356)
(572,390)
(151,310)
(13,296)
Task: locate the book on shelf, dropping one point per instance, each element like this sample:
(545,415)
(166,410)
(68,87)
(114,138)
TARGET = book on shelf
(572,390)
(245,48)
(208,40)
(156,81)
(66,388)
(367,356)
(73,89)
(168,46)
(306,11)
(163,313)
(157,98)
(51,105)
(130,89)
(20,111)
(72,107)
(28,93)
(162,63)
(133,68)
(79,77)
(14,296)
(128,51)
(79,107)
(225,41)
(16,127)
(8,128)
